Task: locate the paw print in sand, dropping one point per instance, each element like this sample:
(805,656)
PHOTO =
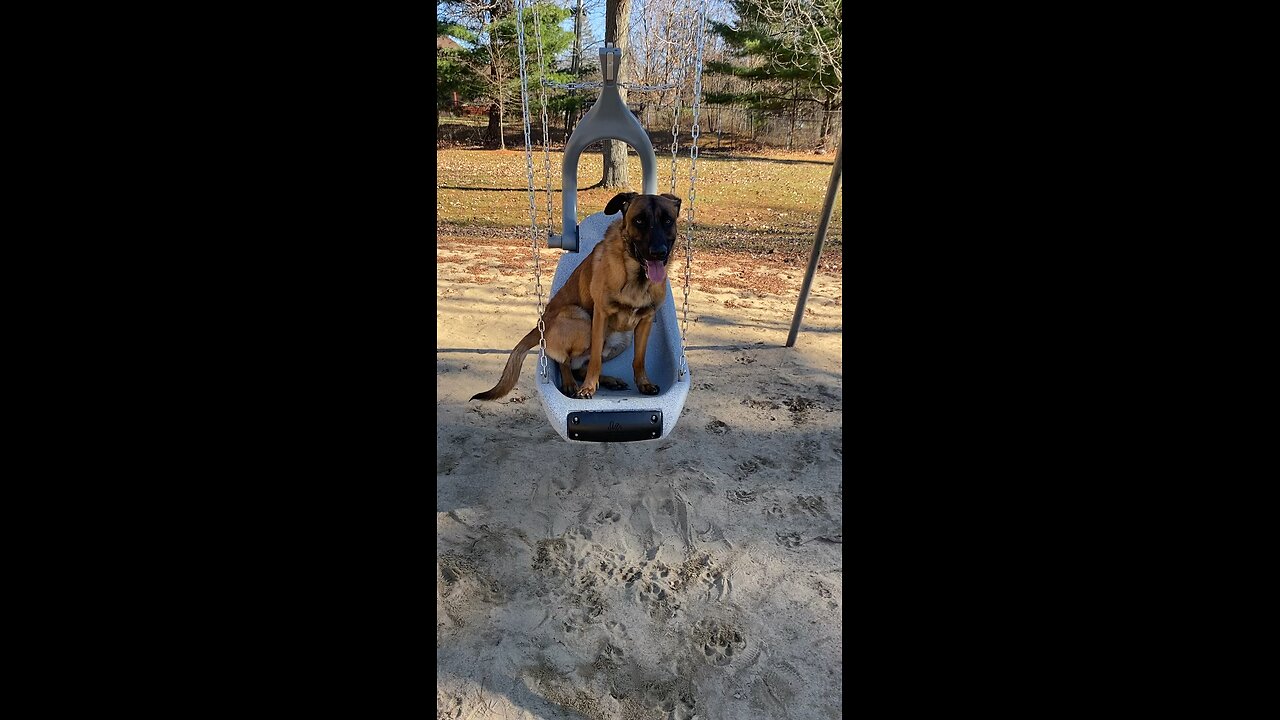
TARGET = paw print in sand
(788,540)
(720,643)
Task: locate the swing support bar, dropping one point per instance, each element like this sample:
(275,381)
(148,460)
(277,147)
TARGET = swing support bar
(609,118)
(818,242)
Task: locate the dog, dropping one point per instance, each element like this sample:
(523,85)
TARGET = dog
(611,297)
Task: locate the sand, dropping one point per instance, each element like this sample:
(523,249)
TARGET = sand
(697,576)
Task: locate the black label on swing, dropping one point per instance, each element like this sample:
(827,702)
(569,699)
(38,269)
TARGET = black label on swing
(614,426)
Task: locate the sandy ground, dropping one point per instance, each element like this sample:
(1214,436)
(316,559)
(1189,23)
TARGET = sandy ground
(695,576)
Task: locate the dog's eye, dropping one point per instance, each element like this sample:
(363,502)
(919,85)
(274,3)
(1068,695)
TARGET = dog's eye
(668,221)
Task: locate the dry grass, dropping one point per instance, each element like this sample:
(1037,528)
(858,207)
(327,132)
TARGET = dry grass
(761,207)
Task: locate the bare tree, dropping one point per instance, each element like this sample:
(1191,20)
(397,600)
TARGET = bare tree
(663,46)
(582,60)
(616,23)
(501,71)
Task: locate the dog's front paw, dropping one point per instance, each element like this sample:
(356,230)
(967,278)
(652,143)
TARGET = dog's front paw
(586,391)
(649,388)
(570,387)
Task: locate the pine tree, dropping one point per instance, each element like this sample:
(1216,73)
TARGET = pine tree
(789,52)
(494,57)
(454,75)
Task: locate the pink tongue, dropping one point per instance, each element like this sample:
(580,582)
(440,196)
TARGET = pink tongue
(656,271)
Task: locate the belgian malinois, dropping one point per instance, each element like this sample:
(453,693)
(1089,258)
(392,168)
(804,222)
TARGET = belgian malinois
(614,293)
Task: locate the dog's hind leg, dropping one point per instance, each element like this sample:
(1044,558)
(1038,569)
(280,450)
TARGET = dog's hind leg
(570,334)
(613,383)
(607,381)
(570,383)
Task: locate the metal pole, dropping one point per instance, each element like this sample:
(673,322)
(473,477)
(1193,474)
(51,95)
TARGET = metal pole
(817,243)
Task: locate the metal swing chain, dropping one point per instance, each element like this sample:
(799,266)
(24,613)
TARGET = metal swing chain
(542,103)
(533,208)
(693,193)
(675,118)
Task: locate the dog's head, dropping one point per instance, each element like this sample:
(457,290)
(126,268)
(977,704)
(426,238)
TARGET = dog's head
(649,229)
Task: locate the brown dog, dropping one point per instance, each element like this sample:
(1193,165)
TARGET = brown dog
(613,294)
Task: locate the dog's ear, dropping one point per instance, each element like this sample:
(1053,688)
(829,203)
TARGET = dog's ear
(673,199)
(619,202)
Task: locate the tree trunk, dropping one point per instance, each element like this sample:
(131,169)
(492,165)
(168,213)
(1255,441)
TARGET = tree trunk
(617,21)
(795,109)
(493,134)
(615,164)
(502,130)
(825,129)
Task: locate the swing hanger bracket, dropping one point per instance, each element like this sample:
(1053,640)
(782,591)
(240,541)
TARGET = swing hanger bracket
(556,240)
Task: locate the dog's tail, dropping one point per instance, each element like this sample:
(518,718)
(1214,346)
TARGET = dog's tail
(512,372)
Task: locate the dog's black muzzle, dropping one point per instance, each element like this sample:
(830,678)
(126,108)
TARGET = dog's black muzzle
(659,245)
(659,249)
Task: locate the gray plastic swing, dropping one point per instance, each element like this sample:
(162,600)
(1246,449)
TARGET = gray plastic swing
(613,415)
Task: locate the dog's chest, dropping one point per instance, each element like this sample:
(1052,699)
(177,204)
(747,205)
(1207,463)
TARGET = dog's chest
(640,296)
(628,309)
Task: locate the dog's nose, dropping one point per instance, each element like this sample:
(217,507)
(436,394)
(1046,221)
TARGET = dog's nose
(659,251)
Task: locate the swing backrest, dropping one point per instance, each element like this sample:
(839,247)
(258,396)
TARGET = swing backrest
(608,119)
